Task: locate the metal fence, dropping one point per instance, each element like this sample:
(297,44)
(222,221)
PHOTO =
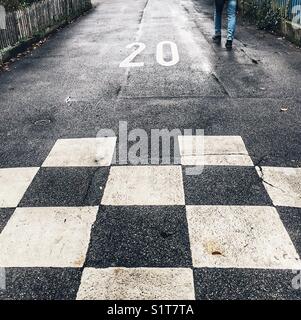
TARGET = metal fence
(35,19)
(294,11)
(286,18)
(289,9)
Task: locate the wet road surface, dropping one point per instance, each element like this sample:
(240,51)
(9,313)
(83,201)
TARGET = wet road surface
(74,226)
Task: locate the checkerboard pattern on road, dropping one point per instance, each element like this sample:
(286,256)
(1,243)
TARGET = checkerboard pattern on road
(81,227)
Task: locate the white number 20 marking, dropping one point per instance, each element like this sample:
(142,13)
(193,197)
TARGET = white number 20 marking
(174,53)
(160,55)
(128,61)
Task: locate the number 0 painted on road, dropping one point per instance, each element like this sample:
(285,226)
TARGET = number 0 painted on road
(174,53)
(128,61)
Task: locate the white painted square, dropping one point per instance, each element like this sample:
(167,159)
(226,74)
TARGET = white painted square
(86,152)
(213,150)
(239,237)
(13,184)
(283,185)
(47,237)
(136,284)
(144,185)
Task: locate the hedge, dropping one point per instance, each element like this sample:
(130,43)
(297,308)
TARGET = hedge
(11,5)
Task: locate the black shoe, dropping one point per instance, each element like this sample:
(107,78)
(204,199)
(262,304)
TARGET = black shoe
(229,45)
(217,39)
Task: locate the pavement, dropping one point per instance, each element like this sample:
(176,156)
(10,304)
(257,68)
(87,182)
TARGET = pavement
(78,224)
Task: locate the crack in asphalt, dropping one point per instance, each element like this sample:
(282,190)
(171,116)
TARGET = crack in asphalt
(124,83)
(263,179)
(217,79)
(253,60)
(91,185)
(127,73)
(143,12)
(227,154)
(140,20)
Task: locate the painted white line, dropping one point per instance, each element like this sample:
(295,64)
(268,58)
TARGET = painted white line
(136,284)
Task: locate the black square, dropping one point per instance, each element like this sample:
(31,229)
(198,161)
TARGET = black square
(41,284)
(66,187)
(145,236)
(245,284)
(225,185)
(5,215)
(291,219)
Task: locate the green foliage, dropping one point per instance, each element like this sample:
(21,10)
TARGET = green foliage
(11,5)
(262,13)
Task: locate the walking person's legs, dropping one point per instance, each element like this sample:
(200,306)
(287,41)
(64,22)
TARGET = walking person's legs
(218,12)
(231,11)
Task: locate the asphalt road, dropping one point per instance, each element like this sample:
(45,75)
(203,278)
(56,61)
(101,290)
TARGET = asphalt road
(73,86)
(220,92)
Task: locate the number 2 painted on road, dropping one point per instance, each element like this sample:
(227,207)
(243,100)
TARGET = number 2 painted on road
(127,63)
